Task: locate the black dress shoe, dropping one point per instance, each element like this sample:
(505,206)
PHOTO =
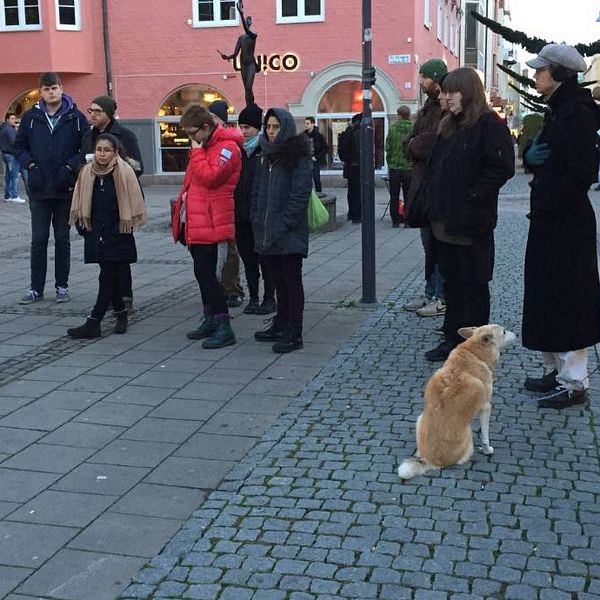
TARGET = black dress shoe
(561,397)
(441,352)
(233,301)
(542,384)
(252,307)
(267,306)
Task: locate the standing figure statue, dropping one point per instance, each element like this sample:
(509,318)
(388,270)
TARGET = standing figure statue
(245,48)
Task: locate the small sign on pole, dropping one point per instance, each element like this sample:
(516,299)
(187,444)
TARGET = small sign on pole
(399,59)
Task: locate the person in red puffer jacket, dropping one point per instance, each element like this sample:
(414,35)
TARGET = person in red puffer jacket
(203,216)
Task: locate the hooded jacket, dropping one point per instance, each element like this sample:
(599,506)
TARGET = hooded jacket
(281,189)
(55,149)
(210,179)
(395,151)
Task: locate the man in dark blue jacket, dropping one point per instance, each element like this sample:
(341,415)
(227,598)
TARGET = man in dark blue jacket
(48,145)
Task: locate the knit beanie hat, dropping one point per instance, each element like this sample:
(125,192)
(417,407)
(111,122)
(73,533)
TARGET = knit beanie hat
(251,115)
(434,68)
(219,108)
(107,104)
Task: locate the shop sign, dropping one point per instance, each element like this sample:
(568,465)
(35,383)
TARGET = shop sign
(399,59)
(273,62)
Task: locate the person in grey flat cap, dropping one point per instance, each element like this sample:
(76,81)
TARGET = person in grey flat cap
(561,308)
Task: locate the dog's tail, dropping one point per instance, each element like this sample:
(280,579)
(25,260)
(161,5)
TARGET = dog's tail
(411,467)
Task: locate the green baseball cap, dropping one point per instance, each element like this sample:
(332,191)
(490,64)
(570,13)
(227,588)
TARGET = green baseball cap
(434,68)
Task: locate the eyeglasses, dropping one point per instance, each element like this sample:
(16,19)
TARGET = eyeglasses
(94,111)
(192,132)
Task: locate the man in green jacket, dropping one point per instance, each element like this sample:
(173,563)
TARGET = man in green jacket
(398,164)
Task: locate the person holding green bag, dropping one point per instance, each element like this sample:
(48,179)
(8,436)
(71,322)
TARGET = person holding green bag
(280,194)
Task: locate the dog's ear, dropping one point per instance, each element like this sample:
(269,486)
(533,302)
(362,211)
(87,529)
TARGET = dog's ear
(466,332)
(486,339)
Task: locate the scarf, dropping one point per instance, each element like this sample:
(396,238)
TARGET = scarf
(250,145)
(130,201)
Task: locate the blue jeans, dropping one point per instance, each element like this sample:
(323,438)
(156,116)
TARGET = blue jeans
(11,176)
(44,212)
(434,282)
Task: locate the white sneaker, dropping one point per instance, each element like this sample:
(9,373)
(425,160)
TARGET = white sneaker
(417,303)
(433,309)
(17,200)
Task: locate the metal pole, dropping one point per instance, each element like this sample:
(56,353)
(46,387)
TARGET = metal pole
(107,56)
(367,166)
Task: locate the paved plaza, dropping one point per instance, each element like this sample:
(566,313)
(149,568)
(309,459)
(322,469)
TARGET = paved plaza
(239,474)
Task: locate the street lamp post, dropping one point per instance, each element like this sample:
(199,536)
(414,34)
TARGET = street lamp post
(367,166)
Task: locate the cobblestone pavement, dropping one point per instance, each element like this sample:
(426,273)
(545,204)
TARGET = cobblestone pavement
(316,511)
(108,446)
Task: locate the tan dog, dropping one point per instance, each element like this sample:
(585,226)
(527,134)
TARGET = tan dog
(454,395)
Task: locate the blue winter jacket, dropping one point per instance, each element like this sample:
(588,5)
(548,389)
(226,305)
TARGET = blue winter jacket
(55,152)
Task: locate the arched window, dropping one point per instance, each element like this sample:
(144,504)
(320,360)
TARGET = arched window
(335,110)
(174,144)
(22,103)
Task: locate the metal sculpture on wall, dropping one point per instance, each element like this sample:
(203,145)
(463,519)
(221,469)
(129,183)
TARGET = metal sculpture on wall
(245,46)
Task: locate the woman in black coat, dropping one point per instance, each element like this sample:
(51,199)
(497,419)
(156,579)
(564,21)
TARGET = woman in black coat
(282,186)
(107,204)
(561,309)
(471,161)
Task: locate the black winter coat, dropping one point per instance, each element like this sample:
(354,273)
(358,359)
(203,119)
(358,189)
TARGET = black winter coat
(242,195)
(319,145)
(104,242)
(561,309)
(466,172)
(124,135)
(280,195)
(56,152)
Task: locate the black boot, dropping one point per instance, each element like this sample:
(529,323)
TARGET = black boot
(542,384)
(206,329)
(273,333)
(90,329)
(222,336)
(291,340)
(252,307)
(121,324)
(267,306)
(441,352)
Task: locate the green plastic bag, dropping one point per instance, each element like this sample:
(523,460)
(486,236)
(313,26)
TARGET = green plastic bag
(317,213)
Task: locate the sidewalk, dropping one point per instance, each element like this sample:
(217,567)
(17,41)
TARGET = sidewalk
(108,446)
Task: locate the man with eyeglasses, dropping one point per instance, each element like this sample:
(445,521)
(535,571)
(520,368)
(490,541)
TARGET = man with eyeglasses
(48,145)
(102,118)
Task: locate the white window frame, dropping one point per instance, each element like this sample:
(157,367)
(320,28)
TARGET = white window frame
(427,13)
(438,29)
(446,29)
(60,26)
(21,26)
(196,23)
(301,17)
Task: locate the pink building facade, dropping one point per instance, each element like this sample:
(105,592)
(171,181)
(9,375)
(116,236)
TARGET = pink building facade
(156,57)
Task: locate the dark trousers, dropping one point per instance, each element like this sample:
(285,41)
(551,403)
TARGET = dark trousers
(354,193)
(286,272)
(399,180)
(44,212)
(125,283)
(467,291)
(253,263)
(316,173)
(211,290)
(109,291)
(230,276)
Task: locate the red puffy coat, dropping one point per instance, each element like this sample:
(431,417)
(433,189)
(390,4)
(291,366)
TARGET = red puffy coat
(210,179)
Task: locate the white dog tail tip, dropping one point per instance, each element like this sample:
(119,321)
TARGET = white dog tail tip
(412,467)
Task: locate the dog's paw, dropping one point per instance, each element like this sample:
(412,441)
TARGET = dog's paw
(487,450)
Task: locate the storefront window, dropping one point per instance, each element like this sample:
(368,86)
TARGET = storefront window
(174,143)
(21,104)
(335,111)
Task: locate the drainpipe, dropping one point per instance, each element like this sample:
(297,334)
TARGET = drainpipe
(107,59)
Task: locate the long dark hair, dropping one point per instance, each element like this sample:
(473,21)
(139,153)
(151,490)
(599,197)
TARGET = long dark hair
(474,103)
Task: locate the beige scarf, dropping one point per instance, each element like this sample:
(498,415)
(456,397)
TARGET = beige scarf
(130,201)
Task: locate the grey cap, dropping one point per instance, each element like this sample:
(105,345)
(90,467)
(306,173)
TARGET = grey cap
(558,55)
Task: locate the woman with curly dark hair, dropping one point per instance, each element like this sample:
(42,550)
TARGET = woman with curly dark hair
(281,189)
